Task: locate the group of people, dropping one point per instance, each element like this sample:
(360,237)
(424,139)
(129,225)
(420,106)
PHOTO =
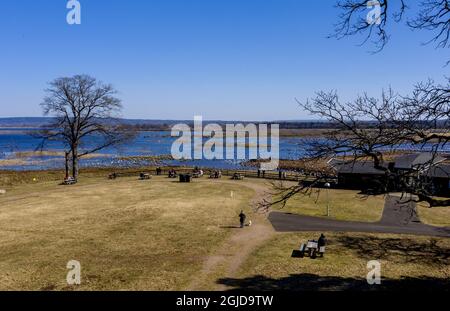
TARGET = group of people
(172,173)
(261,173)
(216,174)
(282,174)
(197,172)
(237,176)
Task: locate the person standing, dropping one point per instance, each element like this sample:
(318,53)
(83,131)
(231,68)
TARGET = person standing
(242,218)
(322,241)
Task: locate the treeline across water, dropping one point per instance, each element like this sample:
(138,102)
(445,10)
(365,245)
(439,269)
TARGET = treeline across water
(166,125)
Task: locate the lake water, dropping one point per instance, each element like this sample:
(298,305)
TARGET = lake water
(13,141)
(147,144)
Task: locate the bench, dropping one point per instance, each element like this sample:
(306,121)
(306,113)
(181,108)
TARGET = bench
(215,175)
(321,251)
(145,176)
(310,249)
(196,175)
(69,181)
(238,177)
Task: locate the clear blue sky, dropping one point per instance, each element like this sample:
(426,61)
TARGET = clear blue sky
(223,59)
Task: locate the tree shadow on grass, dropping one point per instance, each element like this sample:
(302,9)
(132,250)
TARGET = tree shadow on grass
(426,253)
(313,282)
(230,227)
(400,250)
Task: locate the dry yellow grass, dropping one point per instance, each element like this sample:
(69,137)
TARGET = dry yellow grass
(127,234)
(10,179)
(156,235)
(406,262)
(436,216)
(34,157)
(50,153)
(12,162)
(344,205)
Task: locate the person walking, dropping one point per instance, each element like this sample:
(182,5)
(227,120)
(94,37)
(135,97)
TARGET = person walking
(242,218)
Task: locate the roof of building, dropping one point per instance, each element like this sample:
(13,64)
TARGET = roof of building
(440,171)
(410,161)
(356,167)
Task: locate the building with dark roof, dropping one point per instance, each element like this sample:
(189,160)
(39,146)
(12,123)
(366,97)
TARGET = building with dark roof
(439,176)
(362,175)
(354,174)
(417,161)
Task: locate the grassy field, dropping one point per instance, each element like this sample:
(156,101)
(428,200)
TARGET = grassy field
(127,234)
(405,261)
(436,216)
(344,205)
(158,234)
(9,179)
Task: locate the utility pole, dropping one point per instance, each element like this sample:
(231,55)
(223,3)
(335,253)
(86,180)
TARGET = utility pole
(327,186)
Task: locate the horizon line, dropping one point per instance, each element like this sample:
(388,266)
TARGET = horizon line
(182,119)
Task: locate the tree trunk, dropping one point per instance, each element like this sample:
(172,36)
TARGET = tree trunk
(75,162)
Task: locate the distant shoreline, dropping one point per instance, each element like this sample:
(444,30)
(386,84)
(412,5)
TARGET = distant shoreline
(306,133)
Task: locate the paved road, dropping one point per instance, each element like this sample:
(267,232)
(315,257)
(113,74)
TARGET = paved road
(397,218)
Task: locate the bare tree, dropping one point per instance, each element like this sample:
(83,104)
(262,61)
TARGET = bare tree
(431,15)
(84,112)
(369,128)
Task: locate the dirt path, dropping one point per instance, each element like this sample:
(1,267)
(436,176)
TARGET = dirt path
(234,251)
